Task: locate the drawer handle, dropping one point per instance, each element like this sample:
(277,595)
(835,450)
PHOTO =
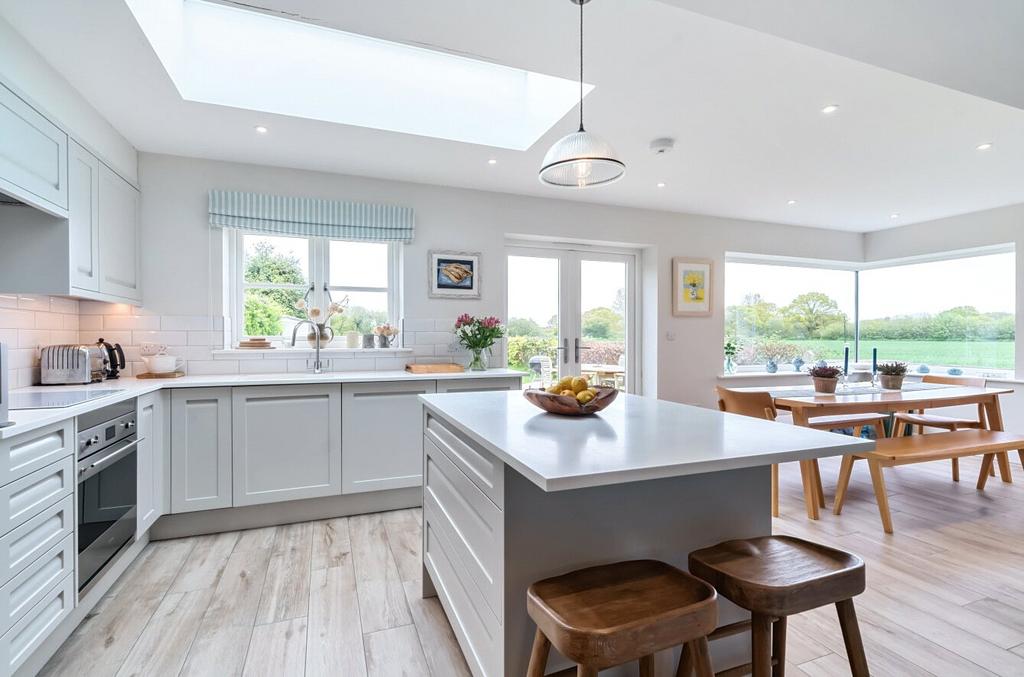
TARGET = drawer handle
(87,471)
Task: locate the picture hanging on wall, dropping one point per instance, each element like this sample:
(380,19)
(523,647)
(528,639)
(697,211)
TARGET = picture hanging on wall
(454,275)
(691,287)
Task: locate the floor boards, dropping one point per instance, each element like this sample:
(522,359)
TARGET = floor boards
(341,597)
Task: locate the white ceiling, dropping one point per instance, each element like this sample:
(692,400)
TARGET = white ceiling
(743,105)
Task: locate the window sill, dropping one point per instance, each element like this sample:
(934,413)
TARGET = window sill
(302,353)
(762,374)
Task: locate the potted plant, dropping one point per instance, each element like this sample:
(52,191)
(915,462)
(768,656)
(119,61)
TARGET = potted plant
(386,335)
(732,347)
(320,331)
(478,334)
(774,352)
(890,375)
(825,377)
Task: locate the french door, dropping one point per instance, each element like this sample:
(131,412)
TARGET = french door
(573,312)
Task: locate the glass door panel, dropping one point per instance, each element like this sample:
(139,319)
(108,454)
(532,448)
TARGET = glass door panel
(605,320)
(535,344)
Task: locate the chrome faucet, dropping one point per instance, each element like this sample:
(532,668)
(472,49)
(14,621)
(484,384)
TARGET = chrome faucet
(317,366)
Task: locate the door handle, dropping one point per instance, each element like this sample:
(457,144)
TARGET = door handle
(564,349)
(578,349)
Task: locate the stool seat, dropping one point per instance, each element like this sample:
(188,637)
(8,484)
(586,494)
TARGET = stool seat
(611,614)
(779,575)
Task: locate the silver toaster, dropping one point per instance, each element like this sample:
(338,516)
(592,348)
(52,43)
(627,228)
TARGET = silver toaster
(64,364)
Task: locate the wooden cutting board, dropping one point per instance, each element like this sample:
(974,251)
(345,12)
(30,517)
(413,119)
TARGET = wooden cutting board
(170,374)
(435,368)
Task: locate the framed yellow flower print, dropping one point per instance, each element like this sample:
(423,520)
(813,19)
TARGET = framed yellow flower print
(691,287)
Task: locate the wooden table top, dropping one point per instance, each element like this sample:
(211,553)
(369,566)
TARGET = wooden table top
(917,398)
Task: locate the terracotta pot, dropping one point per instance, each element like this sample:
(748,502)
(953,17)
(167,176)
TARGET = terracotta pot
(890,381)
(825,385)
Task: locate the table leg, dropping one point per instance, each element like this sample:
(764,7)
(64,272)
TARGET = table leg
(811,479)
(994,414)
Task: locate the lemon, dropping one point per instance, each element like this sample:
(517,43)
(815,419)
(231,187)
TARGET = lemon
(579,384)
(554,390)
(568,392)
(565,383)
(584,396)
(592,389)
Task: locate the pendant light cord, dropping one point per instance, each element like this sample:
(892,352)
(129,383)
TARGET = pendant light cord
(581,65)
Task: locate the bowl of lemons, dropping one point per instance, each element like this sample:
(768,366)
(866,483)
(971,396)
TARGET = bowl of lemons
(572,396)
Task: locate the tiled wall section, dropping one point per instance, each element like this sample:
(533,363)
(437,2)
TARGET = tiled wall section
(29,321)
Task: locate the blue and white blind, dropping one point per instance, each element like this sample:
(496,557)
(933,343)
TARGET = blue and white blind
(311,217)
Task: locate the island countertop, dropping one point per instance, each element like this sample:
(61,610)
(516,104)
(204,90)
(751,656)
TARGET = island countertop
(636,438)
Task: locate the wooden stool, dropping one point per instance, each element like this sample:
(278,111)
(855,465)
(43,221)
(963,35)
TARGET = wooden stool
(777,576)
(613,614)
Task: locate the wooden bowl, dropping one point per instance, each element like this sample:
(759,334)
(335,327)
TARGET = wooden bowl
(569,406)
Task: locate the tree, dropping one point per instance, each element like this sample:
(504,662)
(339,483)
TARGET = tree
(265,307)
(521,326)
(359,319)
(603,323)
(811,312)
(753,317)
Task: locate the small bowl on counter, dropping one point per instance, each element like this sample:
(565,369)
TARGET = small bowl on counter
(566,405)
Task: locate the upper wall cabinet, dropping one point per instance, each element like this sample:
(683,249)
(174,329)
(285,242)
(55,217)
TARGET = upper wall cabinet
(33,156)
(119,236)
(84,218)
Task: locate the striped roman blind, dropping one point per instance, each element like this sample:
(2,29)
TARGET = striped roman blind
(310,217)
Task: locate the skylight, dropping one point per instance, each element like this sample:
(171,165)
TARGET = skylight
(228,56)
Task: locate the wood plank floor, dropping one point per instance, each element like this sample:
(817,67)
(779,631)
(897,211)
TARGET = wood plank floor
(341,597)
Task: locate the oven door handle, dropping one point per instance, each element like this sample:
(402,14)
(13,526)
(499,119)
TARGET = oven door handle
(87,471)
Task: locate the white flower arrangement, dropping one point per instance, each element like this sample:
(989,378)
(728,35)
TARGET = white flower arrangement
(317,315)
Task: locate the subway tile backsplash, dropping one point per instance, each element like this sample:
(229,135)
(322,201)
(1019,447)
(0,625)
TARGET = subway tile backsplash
(30,321)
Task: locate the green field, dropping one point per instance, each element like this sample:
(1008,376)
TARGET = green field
(991,354)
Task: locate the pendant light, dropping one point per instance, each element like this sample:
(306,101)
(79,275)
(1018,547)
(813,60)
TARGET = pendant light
(581,159)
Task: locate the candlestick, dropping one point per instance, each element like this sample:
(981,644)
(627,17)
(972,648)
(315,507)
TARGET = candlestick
(874,360)
(846,360)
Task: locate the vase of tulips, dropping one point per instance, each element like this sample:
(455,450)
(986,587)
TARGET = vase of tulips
(319,319)
(386,335)
(478,334)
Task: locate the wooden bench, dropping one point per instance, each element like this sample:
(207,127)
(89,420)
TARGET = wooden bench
(895,451)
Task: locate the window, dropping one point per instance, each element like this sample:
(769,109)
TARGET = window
(940,316)
(271,273)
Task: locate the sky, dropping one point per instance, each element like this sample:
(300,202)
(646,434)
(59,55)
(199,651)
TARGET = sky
(533,286)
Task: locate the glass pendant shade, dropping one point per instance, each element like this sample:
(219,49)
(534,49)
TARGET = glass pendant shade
(581,160)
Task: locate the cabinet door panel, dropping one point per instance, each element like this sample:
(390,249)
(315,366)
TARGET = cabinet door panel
(83,218)
(151,411)
(119,243)
(287,443)
(200,449)
(382,426)
(33,156)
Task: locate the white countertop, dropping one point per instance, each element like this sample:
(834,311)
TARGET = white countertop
(29,419)
(635,438)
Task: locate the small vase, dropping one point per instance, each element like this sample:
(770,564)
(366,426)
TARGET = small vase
(825,385)
(479,361)
(385,341)
(771,367)
(352,339)
(891,381)
(368,341)
(326,336)
(798,363)
(730,366)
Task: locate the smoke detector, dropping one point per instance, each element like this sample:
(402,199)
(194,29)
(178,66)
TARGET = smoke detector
(662,145)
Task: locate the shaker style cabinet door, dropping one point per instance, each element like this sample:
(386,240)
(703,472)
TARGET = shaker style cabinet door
(382,429)
(150,459)
(33,156)
(287,442)
(119,236)
(84,218)
(200,449)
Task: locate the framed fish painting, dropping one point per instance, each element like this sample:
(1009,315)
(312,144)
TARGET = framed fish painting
(453,275)
(691,287)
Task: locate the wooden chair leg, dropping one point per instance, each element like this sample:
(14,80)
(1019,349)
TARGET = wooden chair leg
(956,469)
(818,489)
(843,483)
(775,489)
(858,431)
(986,467)
(702,657)
(761,645)
(852,639)
(878,482)
(686,661)
(810,497)
(647,666)
(779,648)
(539,655)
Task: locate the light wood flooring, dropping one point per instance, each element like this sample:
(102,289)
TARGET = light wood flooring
(341,597)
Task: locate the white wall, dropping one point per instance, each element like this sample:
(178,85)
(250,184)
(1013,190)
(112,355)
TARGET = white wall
(182,270)
(24,70)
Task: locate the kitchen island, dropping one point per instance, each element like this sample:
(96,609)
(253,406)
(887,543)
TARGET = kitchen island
(512,495)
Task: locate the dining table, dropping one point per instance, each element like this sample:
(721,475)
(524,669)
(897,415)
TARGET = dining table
(860,398)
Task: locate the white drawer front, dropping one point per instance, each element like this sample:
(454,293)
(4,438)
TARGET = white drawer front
(29,541)
(26,589)
(481,633)
(485,470)
(26,497)
(35,626)
(29,452)
(471,524)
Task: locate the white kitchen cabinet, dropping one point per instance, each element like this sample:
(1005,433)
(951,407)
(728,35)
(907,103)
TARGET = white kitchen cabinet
(382,435)
(83,218)
(119,236)
(200,449)
(151,412)
(287,442)
(33,156)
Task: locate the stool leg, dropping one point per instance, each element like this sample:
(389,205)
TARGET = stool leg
(818,489)
(702,657)
(956,469)
(779,648)
(539,655)
(584,671)
(761,645)
(647,665)
(843,483)
(986,467)
(685,668)
(775,487)
(851,637)
(881,497)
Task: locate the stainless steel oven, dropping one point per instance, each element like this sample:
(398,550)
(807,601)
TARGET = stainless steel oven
(107,487)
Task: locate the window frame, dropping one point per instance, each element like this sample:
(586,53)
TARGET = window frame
(319,269)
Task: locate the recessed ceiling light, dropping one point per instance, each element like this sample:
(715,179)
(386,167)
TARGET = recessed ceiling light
(260,129)
(829,109)
(984,146)
(661,184)
(894,216)
(492,161)
(791,202)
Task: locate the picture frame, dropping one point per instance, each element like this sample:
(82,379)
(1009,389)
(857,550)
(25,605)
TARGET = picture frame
(453,274)
(692,286)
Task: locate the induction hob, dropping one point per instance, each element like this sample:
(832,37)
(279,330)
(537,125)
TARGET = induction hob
(58,399)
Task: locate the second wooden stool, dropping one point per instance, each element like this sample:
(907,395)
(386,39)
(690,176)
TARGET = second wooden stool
(778,576)
(617,613)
